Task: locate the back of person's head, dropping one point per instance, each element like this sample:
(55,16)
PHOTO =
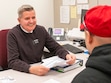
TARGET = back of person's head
(24,8)
(97,21)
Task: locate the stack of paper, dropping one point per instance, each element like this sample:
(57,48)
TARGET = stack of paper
(60,64)
(54,61)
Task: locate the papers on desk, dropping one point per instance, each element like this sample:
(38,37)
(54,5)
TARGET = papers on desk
(7,79)
(51,81)
(54,61)
(60,65)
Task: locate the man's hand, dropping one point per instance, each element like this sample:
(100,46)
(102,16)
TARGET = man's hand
(71,58)
(38,70)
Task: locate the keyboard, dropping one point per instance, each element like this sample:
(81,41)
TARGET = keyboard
(72,49)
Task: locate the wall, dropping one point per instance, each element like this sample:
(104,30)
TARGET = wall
(74,22)
(8,9)
(104,2)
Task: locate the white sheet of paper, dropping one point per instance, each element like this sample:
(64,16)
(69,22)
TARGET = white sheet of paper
(54,61)
(68,2)
(82,1)
(64,14)
(51,81)
(80,7)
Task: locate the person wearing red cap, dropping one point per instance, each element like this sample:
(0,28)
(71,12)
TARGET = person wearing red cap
(97,28)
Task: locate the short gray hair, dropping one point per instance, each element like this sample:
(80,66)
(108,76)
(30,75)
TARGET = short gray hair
(24,8)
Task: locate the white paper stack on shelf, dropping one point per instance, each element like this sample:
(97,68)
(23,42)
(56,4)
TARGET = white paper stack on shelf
(75,33)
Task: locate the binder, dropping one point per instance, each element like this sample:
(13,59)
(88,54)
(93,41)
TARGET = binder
(60,65)
(63,69)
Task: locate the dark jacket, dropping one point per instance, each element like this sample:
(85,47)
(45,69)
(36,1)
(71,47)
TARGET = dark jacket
(98,67)
(27,48)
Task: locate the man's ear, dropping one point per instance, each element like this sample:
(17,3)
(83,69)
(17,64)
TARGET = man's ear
(89,36)
(18,19)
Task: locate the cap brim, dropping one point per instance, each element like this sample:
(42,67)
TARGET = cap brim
(82,27)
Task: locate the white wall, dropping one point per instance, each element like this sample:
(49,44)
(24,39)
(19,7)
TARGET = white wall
(8,12)
(104,2)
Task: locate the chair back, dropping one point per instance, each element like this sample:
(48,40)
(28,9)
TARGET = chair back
(3,48)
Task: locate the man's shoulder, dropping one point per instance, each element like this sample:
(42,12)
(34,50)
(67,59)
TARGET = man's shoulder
(91,75)
(84,76)
(40,26)
(16,29)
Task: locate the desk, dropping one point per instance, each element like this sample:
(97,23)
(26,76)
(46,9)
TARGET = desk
(67,42)
(66,77)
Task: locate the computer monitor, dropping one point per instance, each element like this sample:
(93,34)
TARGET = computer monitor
(58,31)
(83,12)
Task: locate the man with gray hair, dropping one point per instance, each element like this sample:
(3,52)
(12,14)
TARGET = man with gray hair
(26,42)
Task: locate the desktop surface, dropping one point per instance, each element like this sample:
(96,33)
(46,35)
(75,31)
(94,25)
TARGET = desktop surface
(21,77)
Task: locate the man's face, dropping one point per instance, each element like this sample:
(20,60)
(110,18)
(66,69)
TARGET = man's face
(28,20)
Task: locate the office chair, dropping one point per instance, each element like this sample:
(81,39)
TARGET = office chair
(3,49)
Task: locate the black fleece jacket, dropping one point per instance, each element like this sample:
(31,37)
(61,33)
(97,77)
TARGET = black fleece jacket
(98,67)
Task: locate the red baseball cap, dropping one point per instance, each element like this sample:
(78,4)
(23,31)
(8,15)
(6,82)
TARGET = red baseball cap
(97,20)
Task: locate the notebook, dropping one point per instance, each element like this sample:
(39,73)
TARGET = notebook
(60,65)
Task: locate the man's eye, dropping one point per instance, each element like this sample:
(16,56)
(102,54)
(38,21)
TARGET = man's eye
(26,18)
(33,17)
